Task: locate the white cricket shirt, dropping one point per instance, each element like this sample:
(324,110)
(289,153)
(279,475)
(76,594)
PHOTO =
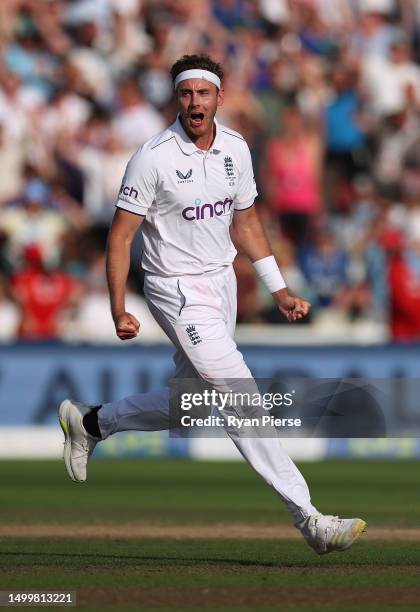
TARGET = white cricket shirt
(188,197)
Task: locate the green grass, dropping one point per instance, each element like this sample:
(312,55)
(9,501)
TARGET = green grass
(232,575)
(184,492)
(203,568)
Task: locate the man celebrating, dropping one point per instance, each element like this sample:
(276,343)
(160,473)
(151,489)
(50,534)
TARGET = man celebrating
(187,188)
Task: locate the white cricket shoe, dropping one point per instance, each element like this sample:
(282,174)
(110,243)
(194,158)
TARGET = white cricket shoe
(78,443)
(330,533)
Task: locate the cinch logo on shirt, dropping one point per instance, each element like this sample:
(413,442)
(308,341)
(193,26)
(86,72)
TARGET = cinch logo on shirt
(129,191)
(206,211)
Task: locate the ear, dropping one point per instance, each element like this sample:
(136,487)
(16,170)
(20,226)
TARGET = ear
(220,97)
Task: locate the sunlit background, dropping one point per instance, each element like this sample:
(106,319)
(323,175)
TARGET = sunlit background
(327,95)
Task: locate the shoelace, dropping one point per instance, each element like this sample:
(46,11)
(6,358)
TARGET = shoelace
(335,526)
(79,450)
(86,446)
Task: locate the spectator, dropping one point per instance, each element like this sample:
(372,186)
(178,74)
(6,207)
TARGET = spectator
(404,288)
(397,149)
(325,267)
(9,314)
(344,134)
(136,120)
(88,60)
(18,107)
(392,84)
(93,322)
(103,159)
(301,77)
(374,36)
(12,159)
(32,221)
(293,176)
(67,111)
(345,138)
(230,13)
(43,296)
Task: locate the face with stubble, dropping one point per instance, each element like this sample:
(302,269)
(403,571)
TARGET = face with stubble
(197,102)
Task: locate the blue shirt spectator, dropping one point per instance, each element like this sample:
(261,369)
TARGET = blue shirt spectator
(342,130)
(324,266)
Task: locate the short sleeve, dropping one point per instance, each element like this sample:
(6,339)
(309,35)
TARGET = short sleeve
(247,190)
(138,187)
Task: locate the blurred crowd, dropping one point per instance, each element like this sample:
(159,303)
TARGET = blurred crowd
(326,92)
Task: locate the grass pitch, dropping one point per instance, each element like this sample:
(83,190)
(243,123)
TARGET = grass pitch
(145,547)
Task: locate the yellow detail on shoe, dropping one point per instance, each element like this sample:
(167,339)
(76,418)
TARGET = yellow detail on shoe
(345,539)
(357,530)
(360,527)
(64,426)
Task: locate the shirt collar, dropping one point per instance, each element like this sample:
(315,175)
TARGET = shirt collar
(185,143)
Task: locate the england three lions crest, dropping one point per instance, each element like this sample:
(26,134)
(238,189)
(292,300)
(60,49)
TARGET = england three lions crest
(229,170)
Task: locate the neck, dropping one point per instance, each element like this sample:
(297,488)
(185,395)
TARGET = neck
(203,141)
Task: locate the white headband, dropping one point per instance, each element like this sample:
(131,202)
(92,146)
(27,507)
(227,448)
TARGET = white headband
(206,75)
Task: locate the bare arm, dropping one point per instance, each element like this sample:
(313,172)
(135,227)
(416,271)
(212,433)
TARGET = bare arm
(123,228)
(249,235)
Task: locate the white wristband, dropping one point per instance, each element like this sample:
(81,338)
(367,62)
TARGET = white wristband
(268,271)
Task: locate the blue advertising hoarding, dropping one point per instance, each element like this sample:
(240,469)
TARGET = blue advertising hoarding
(35,378)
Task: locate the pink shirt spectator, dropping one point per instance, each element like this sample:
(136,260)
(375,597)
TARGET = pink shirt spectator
(294,175)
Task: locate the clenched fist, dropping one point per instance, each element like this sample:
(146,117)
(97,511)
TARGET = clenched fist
(292,307)
(126,326)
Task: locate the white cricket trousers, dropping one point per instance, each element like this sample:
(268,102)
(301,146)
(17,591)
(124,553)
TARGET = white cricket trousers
(208,303)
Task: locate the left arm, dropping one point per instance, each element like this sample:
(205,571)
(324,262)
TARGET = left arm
(248,234)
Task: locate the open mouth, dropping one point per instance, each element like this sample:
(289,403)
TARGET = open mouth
(196,119)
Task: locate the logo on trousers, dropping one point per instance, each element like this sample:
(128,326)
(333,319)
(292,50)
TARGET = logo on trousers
(193,334)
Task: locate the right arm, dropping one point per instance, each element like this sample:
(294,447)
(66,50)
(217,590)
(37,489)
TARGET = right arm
(123,228)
